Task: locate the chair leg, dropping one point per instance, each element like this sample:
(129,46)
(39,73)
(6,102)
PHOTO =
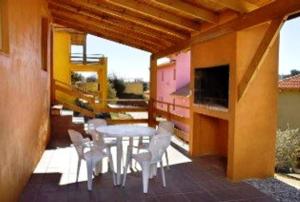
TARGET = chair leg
(146,173)
(130,152)
(89,165)
(167,159)
(98,168)
(78,169)
(128,159)
(153,170)
(108,151)
(140,141)
(111,167)
(163,174)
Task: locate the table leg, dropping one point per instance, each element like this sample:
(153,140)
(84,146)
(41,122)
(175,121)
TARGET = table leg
(119,159)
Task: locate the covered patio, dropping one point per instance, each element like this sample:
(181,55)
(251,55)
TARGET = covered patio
(188,179)
(231,133)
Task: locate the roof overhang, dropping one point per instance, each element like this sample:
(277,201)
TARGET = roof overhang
(163,27)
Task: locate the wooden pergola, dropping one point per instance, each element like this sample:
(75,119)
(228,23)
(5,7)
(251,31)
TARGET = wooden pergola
(164,27)
(160,26)
(151,25)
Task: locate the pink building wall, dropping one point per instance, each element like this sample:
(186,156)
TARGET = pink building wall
(171,77)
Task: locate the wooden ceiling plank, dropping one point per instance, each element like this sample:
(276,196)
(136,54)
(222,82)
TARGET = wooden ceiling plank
(86,29)
(241,6)
(188,9)
(155,13)
(103,28)
(145,31)
(104,34)
(149,37)
(279,8)
(96,5)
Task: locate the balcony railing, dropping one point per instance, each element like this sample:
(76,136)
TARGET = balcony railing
(80,58)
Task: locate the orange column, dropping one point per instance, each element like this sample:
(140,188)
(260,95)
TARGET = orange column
(153,89)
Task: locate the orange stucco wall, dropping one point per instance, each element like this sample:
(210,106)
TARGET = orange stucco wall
(207,135)
(24,101)
(249,124)
(256,112)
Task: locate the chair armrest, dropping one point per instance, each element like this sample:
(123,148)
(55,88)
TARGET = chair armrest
(86,142)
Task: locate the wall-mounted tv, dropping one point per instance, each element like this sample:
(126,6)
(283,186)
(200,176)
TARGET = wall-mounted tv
(212,86)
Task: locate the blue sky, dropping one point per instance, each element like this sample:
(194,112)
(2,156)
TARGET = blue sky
(289,54)
(124,61)
(130,63)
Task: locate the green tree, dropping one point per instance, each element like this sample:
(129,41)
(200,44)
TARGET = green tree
(111,92)
(118,84)
(145,86)
(76,77)
(294,72)
(91,79)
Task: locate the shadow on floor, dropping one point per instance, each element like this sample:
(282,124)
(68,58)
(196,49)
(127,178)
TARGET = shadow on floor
(201,180)
(188,179)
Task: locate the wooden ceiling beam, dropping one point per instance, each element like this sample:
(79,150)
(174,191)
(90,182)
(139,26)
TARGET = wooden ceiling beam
(123,25)
(102,28)
(188,9)
(88,28)
(241,6)
(279,8)
(155,13)
(111,24)
(259,56)
(98,7)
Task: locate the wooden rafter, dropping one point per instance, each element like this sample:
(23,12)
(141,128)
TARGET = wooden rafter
(155,13)
(258,16)
(188,9)
(109,24)
(99,7)
(104,34)
(142,31)
(102,27)
(241,6)
(261,52)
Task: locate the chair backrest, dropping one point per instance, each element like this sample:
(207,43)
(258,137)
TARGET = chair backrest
(98,139)
(94,123)
(158,145)
(165,126)
(77,141)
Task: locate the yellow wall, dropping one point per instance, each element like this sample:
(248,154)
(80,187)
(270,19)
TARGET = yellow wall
(288,109)
(250,123)
(25,98)
(62,67)
(61,59)
(88,86)
(134,87)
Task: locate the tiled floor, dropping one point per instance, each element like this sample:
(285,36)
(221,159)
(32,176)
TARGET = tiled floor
(200,179)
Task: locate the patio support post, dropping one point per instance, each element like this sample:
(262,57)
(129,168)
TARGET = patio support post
(153,89)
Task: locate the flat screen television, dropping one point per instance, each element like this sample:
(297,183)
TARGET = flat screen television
(212,86)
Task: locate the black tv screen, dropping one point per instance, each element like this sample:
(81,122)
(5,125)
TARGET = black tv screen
(212,85)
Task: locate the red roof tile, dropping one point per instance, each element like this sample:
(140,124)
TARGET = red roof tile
(292,82)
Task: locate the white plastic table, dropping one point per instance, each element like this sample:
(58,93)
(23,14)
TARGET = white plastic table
(120,131)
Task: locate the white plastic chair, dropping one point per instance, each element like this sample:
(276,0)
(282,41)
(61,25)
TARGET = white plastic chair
(93,124)
(163,126)
(148,160)
(107,143)
(93,156)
